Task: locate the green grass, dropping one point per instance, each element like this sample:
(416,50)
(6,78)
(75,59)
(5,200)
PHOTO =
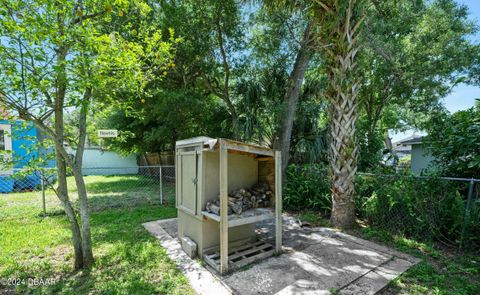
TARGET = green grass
(313,218)
(440,272)
(128,259)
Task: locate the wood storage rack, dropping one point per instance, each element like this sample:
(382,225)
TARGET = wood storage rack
(207,169)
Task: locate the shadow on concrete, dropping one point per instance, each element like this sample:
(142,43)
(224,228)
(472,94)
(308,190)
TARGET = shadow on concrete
(315,261)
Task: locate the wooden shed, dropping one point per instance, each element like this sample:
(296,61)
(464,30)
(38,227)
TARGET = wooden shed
(207,171)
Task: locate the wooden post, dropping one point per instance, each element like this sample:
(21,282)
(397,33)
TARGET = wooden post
(278,201)
(223,208)
(177,178)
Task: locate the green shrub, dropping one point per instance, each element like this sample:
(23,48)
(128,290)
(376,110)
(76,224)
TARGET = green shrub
(307,187)
(419,208)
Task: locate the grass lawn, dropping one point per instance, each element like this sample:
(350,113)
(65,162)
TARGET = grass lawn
(128,259)
(441,271)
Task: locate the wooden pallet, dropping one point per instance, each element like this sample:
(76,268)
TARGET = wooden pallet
(241,255)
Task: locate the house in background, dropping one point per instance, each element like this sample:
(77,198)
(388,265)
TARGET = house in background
(97,161)
(422,158)
(18,147)
(403,148)
(399,154)
(415,147)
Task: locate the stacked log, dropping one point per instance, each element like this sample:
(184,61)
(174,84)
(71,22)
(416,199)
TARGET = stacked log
(241,200)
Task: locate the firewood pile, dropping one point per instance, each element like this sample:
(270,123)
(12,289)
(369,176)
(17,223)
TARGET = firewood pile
(241,200)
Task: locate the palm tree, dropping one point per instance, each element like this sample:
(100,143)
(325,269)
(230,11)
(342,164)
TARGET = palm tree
(339,22)
(333,26)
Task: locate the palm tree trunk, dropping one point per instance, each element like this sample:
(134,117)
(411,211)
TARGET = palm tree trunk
(340,23)
(343,157)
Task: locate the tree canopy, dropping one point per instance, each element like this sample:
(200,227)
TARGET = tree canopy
(412,54)
(60,55)
(415,52)
(454,142)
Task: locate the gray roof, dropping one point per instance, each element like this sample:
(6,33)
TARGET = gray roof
(403,149)
(416,140)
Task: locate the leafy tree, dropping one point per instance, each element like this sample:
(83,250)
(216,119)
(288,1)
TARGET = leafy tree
(56,55)
(302,50)
(198,85)
(162,119)
(414,52)
(259,98)
(454,142)
(258,63)
(211,55)
(309,143)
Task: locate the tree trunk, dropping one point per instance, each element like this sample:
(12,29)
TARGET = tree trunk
(79,181)
(371,147)
(62,194)
(343,157)
(292,93)
(388,141)
(343,153)
(62,190)
(340,29)
(84,214)
(225,91)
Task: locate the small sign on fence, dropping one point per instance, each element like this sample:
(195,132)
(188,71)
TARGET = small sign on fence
(107,133)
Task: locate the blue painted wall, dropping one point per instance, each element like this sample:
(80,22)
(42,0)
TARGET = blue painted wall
(24,139)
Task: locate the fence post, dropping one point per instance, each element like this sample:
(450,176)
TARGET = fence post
(44,206)
(161,185)
(467,209)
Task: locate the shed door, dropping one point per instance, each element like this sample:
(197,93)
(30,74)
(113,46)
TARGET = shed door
(188,184)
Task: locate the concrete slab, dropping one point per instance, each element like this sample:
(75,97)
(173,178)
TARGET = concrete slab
(315,261)
(377,279)
(201,280)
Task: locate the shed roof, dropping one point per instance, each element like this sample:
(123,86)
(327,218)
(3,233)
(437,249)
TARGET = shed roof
(194,140)
(232,145)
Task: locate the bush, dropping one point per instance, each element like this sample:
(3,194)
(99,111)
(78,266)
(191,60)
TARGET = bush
(428,209)
(307,187)
(454,142)
(420,208)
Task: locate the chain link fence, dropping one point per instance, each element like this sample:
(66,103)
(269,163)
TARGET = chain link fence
(446,210)
(107,187)
(442,209)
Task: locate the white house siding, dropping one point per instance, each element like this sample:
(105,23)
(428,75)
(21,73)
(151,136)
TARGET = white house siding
(98,162)
(421,158)
(6,145)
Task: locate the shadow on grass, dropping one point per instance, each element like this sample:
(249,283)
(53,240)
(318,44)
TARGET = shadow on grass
(441,271)
(126,224)
(127,200)
(109,184)
(51,213)
(128,259)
